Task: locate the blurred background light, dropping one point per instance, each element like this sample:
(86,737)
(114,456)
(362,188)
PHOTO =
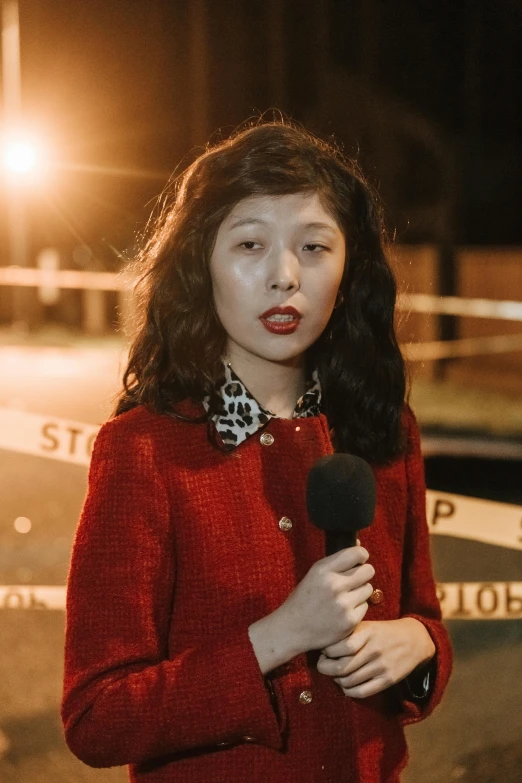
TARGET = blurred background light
(24,159)
(22,525)
(20,156)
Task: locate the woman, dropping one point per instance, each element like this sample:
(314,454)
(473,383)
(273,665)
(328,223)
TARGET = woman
(208,636)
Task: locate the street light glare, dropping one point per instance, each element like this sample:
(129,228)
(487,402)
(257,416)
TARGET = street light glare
(25,159)
(20,157)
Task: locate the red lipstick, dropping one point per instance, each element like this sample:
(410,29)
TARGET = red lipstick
(283,326)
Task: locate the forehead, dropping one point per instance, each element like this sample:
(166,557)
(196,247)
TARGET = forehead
(301,207)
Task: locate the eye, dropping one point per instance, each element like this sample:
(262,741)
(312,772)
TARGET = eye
(248,245)
(316,245)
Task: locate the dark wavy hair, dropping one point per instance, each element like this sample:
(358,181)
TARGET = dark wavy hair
(176,352)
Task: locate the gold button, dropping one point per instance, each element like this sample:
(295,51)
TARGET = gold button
(376,597)
(285,523)
(305,697)
(266,439)
(249,739)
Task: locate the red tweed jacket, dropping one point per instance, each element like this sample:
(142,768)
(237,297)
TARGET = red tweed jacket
(177,551)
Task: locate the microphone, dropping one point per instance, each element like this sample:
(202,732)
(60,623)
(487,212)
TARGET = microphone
(340,498)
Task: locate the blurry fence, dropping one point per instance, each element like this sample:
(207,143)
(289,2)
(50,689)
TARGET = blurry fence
(92,285)
(487,322)
(488,328)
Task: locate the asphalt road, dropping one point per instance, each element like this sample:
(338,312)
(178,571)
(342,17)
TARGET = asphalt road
(474,735)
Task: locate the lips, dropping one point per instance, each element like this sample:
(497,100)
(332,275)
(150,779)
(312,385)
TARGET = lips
(286,326)
(281,311)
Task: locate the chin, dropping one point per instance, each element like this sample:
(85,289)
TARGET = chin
(286,355)
(288,348)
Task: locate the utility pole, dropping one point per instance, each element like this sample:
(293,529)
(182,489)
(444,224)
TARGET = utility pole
(199,94)
(12,109)
(276,60)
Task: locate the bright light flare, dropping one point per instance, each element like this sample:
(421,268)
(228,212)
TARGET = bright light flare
(24,159)
(20,157)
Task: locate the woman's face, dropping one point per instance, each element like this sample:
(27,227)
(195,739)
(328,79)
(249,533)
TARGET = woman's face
(276,252)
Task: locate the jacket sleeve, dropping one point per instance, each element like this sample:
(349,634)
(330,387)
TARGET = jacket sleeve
(124,701)
(419,598)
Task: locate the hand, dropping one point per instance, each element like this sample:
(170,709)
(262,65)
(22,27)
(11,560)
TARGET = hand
(376,655)
(330,600)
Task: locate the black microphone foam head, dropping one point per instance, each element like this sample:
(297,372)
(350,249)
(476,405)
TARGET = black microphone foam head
(340,494)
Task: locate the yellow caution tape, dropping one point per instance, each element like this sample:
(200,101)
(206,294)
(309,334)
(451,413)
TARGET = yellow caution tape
(480,600)
(476,519)
(466,346)
(499,524)
(32,597)
(458,305)
(46,436)
(65,278)
(459,600)
(123,280)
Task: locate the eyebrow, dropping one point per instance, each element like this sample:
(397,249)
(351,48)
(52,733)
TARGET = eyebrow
(257,221)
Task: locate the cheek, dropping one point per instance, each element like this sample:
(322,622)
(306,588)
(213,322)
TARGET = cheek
(233,286)
(222,285)
(331,291)
(334,280)
(326,289)
(323,299)
(230,299)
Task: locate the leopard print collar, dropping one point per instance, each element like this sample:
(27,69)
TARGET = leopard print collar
(241,416)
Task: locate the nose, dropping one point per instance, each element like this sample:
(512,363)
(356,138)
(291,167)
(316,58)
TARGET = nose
(284,271)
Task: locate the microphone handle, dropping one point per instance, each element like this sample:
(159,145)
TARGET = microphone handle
(339,539)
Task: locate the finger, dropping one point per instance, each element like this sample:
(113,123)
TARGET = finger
(359,575)
(334,667)
(327,666)
(359,612)
(349,646)
(368,671)
(362,593)
(355,577)
(353,598)
(347,558)
(369,688)
(348,666)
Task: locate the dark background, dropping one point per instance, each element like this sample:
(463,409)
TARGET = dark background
(427,96)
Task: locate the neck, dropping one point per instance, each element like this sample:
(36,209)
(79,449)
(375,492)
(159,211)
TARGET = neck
(276,385)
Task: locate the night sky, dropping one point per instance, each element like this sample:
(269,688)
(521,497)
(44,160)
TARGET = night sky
(426,95)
